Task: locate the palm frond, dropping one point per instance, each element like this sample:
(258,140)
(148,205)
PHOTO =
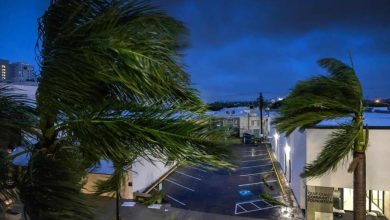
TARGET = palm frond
(321,98)
(124,51)
(16,116)
(336,149)
(151,134)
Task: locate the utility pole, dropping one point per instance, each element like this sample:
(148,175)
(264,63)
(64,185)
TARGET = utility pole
(261,104)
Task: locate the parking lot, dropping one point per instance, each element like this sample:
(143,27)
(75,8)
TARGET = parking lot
(227,192)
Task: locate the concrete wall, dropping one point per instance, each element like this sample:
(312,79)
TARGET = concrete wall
(92,178)
(251,124)
(387,204)
(145,173)
(377,154)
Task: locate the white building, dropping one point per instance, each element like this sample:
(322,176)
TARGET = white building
(246,119)
(335,189)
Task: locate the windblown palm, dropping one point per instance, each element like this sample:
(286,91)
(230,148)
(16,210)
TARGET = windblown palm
(16,117)
(111,87)
(337,95)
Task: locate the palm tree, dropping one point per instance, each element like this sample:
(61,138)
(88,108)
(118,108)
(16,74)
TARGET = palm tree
(112,86)
(337,95)
(16,118)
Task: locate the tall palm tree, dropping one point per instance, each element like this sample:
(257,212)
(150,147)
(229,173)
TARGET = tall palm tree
(337,95)
(112,86)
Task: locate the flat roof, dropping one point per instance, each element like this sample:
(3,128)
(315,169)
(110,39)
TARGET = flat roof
(371,119)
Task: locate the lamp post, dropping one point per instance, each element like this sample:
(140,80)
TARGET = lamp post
(287,150)
(276,138)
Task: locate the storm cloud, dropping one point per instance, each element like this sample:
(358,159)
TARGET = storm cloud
(239,48)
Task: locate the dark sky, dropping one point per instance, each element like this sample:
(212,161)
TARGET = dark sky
(241,47)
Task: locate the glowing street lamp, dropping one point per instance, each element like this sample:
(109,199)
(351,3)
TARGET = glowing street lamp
(276,137)
(287,150)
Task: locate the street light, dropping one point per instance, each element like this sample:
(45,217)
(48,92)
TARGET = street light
(287,150)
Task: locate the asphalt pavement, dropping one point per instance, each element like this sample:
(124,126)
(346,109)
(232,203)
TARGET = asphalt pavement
(226,192)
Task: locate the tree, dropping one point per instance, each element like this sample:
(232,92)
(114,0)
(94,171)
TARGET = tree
(337,95)
(112,87)
(16,118)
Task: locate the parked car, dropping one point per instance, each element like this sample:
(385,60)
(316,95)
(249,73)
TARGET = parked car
(247,138)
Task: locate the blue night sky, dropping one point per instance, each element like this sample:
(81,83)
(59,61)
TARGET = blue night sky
(241,47)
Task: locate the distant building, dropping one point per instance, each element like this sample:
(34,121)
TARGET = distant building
(4,64)
(245,119)
(21,72)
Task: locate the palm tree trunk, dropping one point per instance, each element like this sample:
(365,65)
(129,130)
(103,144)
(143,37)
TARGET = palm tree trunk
(359,187)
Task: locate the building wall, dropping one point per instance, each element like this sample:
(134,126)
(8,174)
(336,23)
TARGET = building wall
(377,155)
(92,178)
(146,173)
(387,204)
(251,124)
(20,72)
(297,145)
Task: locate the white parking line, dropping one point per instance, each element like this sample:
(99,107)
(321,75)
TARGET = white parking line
(182,203)
(256,183)
(255,155)
(252,202)
(263,165)
(178,184)
(196,168)
(250,151)
(254,174)
(188,175)
(244,161)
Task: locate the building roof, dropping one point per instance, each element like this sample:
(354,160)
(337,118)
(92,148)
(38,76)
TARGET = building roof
(373,120)
(21,159)
(234,112)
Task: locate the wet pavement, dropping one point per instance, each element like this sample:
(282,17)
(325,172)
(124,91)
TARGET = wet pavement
(227,192)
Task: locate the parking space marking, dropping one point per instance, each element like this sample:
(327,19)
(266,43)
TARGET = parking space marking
(263,165)
(184,174)
(250,151)
(255,183)
(178,184)
(245,161)
(196,168)
(181,203)
(252,202)
(258,155)
(254,174)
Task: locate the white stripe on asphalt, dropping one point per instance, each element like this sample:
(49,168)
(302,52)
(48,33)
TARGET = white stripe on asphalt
(244,161)
(196,168)
(256,200)
(256,166)
(188,175)
(256,183)
(178,184)
(253,174)
(175,200)
(255,155)
(250,151)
